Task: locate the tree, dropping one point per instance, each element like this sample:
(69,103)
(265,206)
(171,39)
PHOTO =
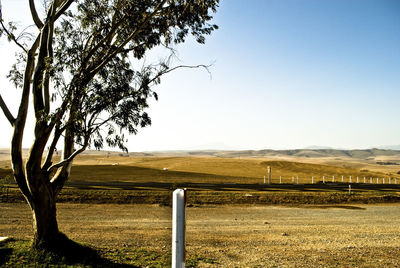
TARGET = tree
(84,68)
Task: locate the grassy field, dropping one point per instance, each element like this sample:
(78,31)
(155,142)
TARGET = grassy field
(225,236)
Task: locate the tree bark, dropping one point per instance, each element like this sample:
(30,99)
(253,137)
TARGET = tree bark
(45,227)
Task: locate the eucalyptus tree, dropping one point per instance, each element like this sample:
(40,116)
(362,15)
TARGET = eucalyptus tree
(83,68)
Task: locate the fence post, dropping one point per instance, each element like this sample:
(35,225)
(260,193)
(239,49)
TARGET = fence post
(178,228)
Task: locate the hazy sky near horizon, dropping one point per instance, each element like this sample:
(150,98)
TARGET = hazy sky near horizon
(286,74)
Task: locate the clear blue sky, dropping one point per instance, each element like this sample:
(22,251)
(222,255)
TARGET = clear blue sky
(287,74)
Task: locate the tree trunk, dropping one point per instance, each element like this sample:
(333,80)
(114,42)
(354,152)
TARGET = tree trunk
(45,227)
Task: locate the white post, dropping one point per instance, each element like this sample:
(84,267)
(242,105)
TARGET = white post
(395,180)
(280,179)
(357,179)
(350,179)
(377,180)
(178,228)
(297,179)
(390,180)
(342,178)
(370,179)
(383,182)
(349,189)
(312,180)
(333,178)
(323,179)
(264,179)
(269,175)
(364,179)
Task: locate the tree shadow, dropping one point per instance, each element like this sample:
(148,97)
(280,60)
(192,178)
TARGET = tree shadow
(66,253)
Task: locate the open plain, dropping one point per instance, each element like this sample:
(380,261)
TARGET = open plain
(121,205)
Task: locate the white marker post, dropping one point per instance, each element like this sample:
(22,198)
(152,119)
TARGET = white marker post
(364,179)
(342,178)
(370,180)
(280,179)
(357,179)
(323,179)
(377,180)
(350,179)
(297,179)
(264,179)
(383,182)
(349,189)
(333,178)
(312,180)
(395,180)
(390,180)
(178,228)
(269,175)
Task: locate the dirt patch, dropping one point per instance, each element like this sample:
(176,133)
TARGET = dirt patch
(228,236)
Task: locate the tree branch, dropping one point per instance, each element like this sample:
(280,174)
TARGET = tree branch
(57,134)
(11,36)
(126,41)
(68,160)
(35,16)
(7,112)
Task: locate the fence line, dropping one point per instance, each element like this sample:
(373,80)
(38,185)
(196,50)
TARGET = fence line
(325,179)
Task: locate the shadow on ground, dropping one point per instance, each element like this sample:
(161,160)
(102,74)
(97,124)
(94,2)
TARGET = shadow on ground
(19,254)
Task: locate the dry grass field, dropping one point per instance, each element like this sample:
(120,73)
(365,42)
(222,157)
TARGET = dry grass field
(235,236)
(121,205)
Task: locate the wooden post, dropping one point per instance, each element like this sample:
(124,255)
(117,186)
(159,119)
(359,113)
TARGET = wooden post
(178,228)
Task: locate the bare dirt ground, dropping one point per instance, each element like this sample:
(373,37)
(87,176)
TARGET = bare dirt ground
(241,236)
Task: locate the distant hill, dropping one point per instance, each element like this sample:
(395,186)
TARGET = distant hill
(304,153)
(390,147)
